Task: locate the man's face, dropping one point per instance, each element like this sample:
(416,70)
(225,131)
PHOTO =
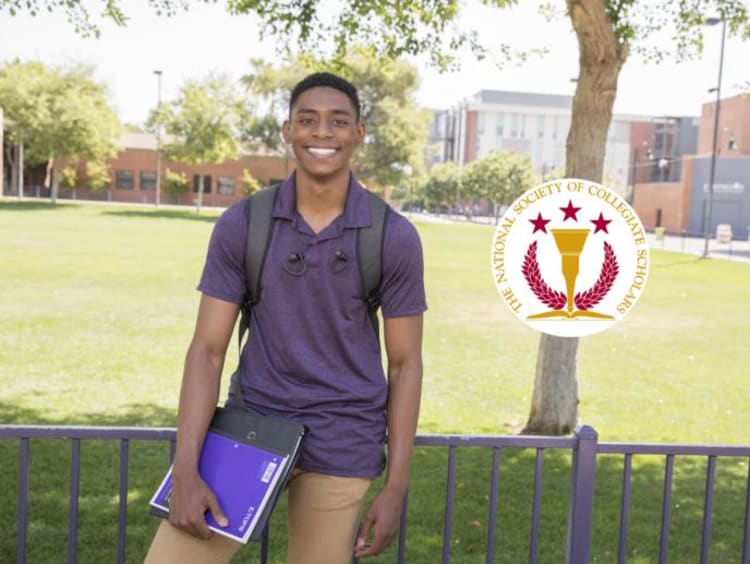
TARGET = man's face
(323,130)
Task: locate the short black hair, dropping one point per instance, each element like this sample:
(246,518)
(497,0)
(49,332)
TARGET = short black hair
(330,80)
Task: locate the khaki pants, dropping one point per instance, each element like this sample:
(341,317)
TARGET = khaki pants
(323,517)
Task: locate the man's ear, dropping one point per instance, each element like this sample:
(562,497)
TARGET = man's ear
(361,131)
(285,131)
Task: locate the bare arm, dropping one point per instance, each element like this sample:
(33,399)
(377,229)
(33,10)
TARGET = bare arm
(403,342)
(198,398)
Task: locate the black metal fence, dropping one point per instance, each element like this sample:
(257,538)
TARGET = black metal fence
(584,447)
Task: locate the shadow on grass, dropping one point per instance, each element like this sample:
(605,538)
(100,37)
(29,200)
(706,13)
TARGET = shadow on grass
(26,205)
(97,527)
(142,414)
(668,258)
(682,261)
(163,214)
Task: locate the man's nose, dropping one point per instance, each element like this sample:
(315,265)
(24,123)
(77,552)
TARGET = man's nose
(323,128)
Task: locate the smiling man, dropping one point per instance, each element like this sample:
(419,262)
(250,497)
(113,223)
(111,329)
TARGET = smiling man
(313,355)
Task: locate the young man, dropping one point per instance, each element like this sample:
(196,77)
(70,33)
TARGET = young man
(312,355)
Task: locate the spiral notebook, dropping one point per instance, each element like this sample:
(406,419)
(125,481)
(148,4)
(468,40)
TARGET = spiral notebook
(246,460)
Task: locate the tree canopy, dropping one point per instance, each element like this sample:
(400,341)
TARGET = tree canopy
(204,121)
(78,13)
(58,114)
(442,184)
(500,177)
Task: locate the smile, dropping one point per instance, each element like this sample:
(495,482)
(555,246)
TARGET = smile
(321,151)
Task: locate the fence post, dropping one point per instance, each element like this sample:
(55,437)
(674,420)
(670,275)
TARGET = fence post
(583,474)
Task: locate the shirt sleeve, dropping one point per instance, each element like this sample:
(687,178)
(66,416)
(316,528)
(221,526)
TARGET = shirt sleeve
(224,271)
(402,290)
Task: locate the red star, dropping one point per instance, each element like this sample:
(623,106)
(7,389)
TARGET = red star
(570,211)
(601,224)
(540,224)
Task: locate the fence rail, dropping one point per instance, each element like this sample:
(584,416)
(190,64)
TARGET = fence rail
(584,447)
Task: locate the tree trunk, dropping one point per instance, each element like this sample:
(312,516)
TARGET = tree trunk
(21,186)
(199,200)
(554,405)
(2,154)
(12,165)
(54,182)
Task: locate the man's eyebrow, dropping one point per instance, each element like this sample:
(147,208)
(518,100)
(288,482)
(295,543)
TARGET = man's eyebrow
(337,111)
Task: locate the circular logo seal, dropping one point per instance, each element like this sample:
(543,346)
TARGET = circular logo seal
(570,257)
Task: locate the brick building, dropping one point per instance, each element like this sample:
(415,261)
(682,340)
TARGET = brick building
(678,201)
(133,172)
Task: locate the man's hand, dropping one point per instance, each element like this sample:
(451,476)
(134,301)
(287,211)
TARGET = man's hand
(381,523)
(190,500)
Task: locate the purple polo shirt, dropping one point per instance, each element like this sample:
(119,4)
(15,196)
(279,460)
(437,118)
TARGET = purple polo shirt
(312,355)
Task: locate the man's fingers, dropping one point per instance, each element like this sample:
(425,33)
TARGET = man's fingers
(364,532)
(193,521)
(196,527)
(379,543)
(201,530)
(363,547)
(216,512)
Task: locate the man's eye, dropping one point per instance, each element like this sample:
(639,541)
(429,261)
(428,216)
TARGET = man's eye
(341,123)
(305,121)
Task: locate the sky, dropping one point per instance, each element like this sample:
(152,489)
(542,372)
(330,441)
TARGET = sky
(207,39)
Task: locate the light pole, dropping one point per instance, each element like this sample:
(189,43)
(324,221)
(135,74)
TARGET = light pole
(634,171)
(712,172)
(632,176)
(158,143)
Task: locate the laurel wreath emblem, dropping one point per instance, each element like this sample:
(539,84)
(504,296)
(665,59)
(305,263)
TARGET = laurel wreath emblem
(595,294)
(548,296)
(583,300)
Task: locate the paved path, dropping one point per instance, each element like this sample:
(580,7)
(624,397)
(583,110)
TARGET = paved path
(736,250)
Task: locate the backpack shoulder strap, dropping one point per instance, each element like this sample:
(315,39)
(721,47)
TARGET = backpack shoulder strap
(259,210)
(370,256)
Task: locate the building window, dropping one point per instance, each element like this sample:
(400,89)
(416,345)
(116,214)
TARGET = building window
(555,127)
(148,181)
(540,126)
(480,123)
(500,129)
(225,185)
(124,179)
(517,125)
(206,183)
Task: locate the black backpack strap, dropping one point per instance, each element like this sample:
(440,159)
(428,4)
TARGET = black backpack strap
(370,257)
(259,213)
(259,209)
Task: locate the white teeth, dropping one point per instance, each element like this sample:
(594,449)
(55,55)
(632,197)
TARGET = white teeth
(321,152)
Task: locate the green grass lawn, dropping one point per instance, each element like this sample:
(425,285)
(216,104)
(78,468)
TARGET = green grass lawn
(97,305)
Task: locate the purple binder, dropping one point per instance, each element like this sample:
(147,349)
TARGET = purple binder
(246,460)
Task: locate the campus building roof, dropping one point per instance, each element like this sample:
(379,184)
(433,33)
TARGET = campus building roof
(509,98)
